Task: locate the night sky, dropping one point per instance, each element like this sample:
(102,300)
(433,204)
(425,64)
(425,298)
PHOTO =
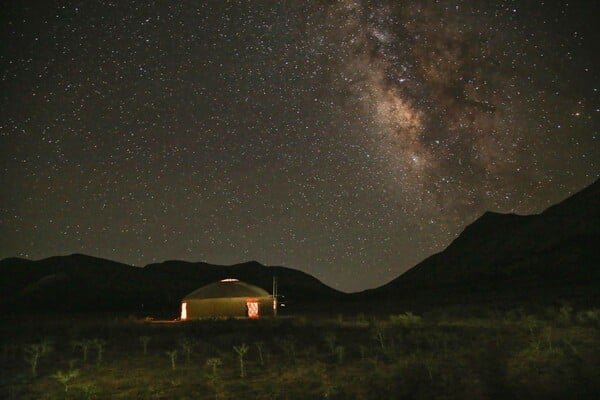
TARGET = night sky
(346,139)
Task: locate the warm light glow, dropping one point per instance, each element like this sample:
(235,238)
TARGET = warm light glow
(230,280)
(252,306)
(183,311)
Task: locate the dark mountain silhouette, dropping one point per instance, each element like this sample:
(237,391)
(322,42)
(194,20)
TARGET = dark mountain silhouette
(508,258)
(505,259)
(82,283)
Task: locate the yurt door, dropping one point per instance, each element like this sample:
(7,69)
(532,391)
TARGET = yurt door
(183,311)
(252,306)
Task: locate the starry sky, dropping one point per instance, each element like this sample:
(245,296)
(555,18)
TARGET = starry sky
(348,139)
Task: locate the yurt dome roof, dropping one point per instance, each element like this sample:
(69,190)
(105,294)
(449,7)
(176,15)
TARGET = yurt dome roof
(227,288)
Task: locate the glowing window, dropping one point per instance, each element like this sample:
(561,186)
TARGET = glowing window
(252,306)
(183,311)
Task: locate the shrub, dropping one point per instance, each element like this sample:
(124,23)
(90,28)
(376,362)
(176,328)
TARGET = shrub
(406,319)
(84,345)
(99,344)
(187,345)
(173,357)
(34,352)
(241,352)
(589,317)
(65,378)
(144,340)
(565,315)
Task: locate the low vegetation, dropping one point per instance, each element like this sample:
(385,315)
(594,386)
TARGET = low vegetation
(552,354)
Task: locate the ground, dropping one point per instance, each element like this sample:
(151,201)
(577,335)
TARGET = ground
(493,355)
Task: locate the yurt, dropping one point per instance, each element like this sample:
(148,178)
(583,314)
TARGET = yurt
(227,298)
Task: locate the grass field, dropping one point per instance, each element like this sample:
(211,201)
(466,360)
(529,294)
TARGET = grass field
(511,355)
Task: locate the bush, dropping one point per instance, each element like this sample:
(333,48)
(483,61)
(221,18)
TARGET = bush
(406,319)
(589,317)
(565,315)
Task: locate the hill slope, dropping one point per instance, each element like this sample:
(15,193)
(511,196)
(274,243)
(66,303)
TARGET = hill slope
(83,283)
(505,257)
(501,258)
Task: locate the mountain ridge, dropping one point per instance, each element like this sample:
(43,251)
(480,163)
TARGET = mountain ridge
(508,254)
(550,256)
(79,282)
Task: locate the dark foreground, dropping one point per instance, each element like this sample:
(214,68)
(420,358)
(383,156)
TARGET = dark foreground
(509,355)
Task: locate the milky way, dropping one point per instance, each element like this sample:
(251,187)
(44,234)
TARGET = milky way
(347,139)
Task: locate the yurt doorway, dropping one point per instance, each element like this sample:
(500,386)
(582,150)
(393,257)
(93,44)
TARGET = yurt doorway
(252,306)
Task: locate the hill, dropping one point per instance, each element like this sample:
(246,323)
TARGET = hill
(501,259)
(508,258)
(78,283)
